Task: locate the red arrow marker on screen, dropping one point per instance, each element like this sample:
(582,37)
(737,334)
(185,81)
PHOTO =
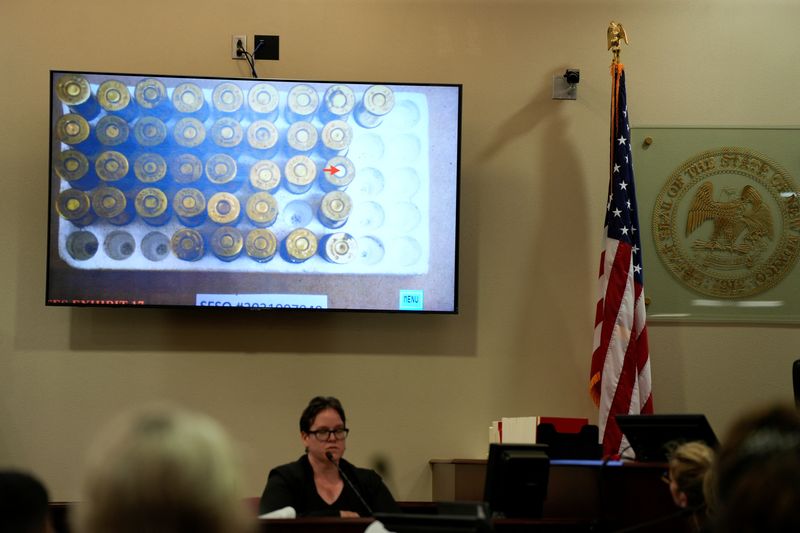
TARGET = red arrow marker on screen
(331,169)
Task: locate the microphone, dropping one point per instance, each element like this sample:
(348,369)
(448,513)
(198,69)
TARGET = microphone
(329,455)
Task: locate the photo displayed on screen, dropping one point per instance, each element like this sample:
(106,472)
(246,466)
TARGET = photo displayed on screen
(177,191)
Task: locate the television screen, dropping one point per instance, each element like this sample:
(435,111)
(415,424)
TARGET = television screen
(516,479)
(176,191)
(652,437)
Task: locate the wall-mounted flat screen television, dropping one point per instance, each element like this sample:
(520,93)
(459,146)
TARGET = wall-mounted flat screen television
(252,193)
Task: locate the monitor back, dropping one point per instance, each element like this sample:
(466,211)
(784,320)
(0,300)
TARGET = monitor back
(652,436)
(516,479)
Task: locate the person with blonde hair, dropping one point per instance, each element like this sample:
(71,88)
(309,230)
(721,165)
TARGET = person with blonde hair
(689,467)
(161,469)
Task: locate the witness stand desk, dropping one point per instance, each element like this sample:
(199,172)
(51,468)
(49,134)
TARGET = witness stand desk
(358,525)
(314,525)
(581,497)
(613,496)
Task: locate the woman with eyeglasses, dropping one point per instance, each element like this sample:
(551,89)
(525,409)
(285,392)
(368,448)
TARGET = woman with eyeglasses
(321,482)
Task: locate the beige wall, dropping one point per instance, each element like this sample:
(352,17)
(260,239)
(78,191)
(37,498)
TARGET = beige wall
(533,193)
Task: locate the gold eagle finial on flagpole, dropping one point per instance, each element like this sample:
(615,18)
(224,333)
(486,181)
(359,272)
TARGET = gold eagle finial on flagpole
(615,33)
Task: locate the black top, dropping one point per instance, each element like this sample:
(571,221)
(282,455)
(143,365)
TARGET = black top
(293,485)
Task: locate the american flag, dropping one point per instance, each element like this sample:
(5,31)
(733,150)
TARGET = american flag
(620,373)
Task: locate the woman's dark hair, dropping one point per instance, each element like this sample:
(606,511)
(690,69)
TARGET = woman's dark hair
(23,502)
(317,404)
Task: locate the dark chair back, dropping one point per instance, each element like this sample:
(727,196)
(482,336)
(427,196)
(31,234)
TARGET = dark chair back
(796,381)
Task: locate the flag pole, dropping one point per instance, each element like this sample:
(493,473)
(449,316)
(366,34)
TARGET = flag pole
(620,380)
(615,34)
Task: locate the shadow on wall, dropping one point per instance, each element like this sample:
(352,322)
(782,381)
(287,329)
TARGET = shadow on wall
(560,234)
(549,319)
(517,125)
(564,236)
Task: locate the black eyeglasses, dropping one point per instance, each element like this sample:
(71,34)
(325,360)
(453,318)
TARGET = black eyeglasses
(324,434)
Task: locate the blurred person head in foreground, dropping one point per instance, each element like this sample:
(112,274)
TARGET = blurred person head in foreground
(24,503)
(162,469)
(756,477)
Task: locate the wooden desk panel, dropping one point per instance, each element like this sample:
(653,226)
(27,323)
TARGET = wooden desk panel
(457,480)
(614,496)
(314,525)
(358,525)
(60,510)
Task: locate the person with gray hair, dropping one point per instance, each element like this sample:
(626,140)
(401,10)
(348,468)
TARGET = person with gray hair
(162,469)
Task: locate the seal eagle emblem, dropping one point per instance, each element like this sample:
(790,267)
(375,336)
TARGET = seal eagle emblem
(740,222)
(726,223)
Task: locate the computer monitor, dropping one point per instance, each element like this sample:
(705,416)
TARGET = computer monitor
(651,437)
(449,517)
(516,479)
